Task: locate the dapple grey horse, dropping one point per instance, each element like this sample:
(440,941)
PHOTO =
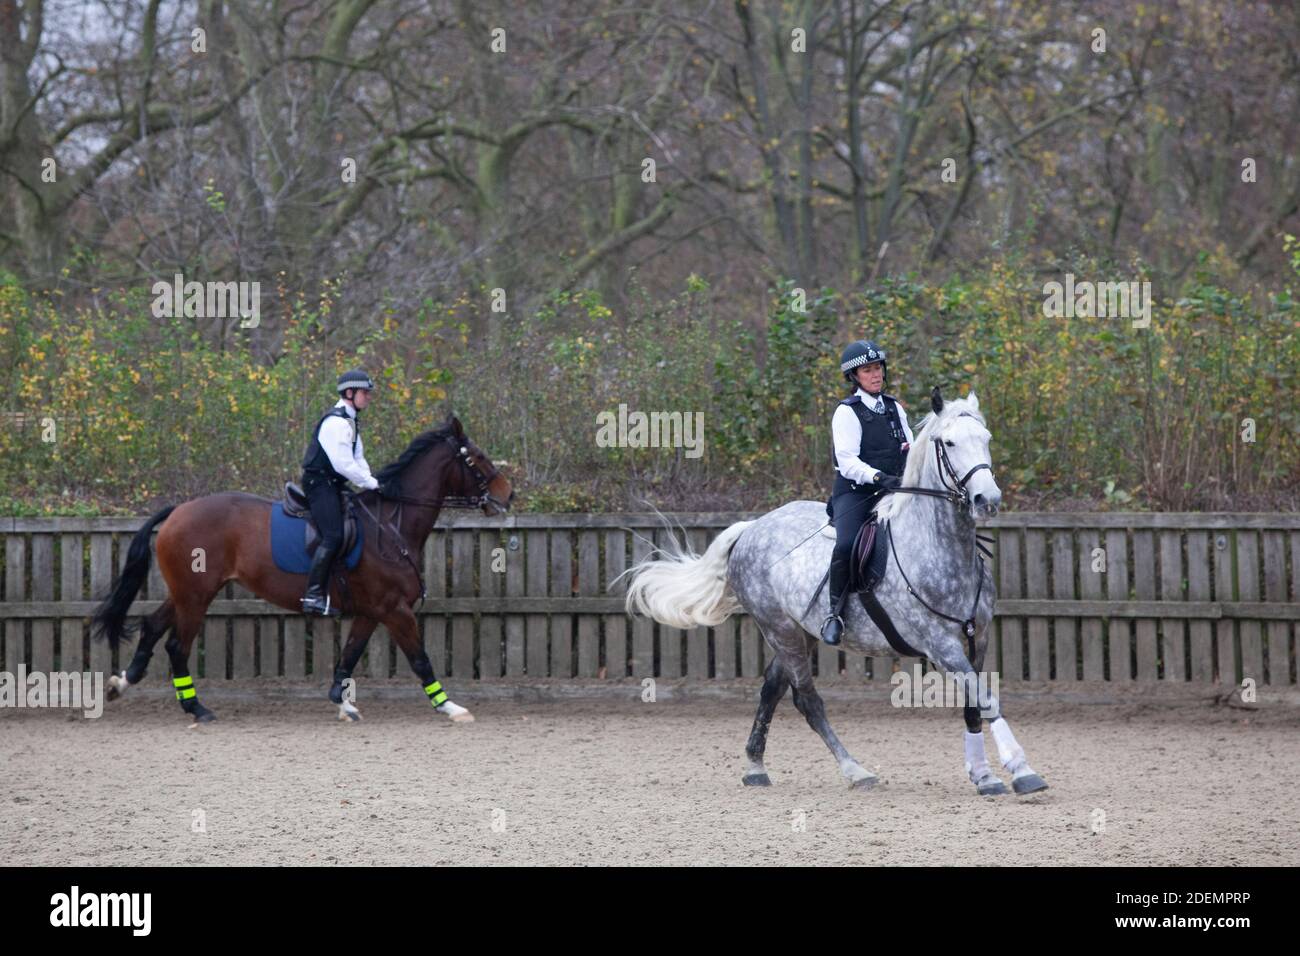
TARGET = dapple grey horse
(934,582)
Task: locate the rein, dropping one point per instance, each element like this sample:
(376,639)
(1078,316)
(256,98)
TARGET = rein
(958,495)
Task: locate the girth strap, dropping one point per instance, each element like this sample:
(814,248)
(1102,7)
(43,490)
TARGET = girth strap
(877,614)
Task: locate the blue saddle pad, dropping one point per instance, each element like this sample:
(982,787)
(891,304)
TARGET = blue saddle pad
(288,543)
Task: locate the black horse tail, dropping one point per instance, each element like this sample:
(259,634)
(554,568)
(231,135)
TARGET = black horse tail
(109,619)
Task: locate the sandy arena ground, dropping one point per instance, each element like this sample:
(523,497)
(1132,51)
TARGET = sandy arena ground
(617,781)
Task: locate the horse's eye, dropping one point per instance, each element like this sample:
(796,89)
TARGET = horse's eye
(950,444)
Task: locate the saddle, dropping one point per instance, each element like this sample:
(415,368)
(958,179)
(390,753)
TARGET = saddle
(867,562)
(296,506)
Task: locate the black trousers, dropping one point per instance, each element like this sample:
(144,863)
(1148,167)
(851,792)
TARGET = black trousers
(851,511)
(325,499)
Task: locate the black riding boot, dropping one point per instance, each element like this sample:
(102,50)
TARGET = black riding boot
(833,627)
(316,599)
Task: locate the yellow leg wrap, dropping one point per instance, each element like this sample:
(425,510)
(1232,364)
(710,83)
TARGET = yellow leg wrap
(436,695)
(184,687)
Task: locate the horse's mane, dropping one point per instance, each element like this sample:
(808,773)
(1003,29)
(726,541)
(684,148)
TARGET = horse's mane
(419,444)
(919,454)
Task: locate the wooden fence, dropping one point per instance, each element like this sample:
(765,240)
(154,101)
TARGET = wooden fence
(1182,597)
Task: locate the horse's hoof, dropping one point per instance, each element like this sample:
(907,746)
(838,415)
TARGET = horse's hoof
(116,685)
(991,788)
(457,713)
(203,716)
(864,783)
(756,780)
(350,716)
(1029,783)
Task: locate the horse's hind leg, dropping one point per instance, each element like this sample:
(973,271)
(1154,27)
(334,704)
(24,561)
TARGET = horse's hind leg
(775,684)
(809,703)
(152,628)
(189,618)
(358,637)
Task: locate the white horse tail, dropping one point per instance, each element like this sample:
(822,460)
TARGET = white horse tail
(684,589)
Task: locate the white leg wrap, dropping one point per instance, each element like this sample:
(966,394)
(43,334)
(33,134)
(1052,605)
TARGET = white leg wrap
(977,764)
(1010,752)
(456,712)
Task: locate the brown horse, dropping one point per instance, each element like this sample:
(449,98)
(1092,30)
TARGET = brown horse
(206,542)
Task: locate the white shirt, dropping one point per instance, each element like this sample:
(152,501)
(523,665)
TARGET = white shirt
(336,439)
(846,434)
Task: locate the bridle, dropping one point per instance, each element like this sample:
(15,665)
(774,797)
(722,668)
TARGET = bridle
(483,481)
(956,491)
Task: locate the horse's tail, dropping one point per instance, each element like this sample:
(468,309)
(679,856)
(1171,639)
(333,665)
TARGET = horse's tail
(109,619)
(684,589)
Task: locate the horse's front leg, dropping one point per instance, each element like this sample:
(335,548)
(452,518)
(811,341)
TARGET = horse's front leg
(401,623)
(950,657)
(358,637)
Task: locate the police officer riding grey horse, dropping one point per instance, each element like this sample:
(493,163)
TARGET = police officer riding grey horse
(334,457)
(870,440)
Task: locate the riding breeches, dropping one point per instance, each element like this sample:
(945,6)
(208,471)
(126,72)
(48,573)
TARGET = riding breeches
(326,512)
(852,509)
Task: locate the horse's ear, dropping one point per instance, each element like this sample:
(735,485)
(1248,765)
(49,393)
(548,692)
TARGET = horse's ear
(456,428)
(936,400)
(974,402)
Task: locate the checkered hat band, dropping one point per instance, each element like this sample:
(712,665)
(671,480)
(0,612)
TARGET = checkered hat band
(356,383)
(860,360)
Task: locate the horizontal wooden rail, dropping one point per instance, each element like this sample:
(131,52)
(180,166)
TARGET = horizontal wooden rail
(1201,610)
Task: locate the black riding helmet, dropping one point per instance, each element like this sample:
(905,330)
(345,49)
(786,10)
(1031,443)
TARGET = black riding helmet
(354,378)
(862,352)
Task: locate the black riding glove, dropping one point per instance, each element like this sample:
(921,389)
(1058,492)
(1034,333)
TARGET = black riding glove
(389,489)
(888,481)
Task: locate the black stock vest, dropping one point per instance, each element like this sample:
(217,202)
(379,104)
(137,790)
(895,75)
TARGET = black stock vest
(881,437)
(315,463)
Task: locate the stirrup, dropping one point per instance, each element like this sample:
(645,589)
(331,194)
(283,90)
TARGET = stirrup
(314,605)
(830,633)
